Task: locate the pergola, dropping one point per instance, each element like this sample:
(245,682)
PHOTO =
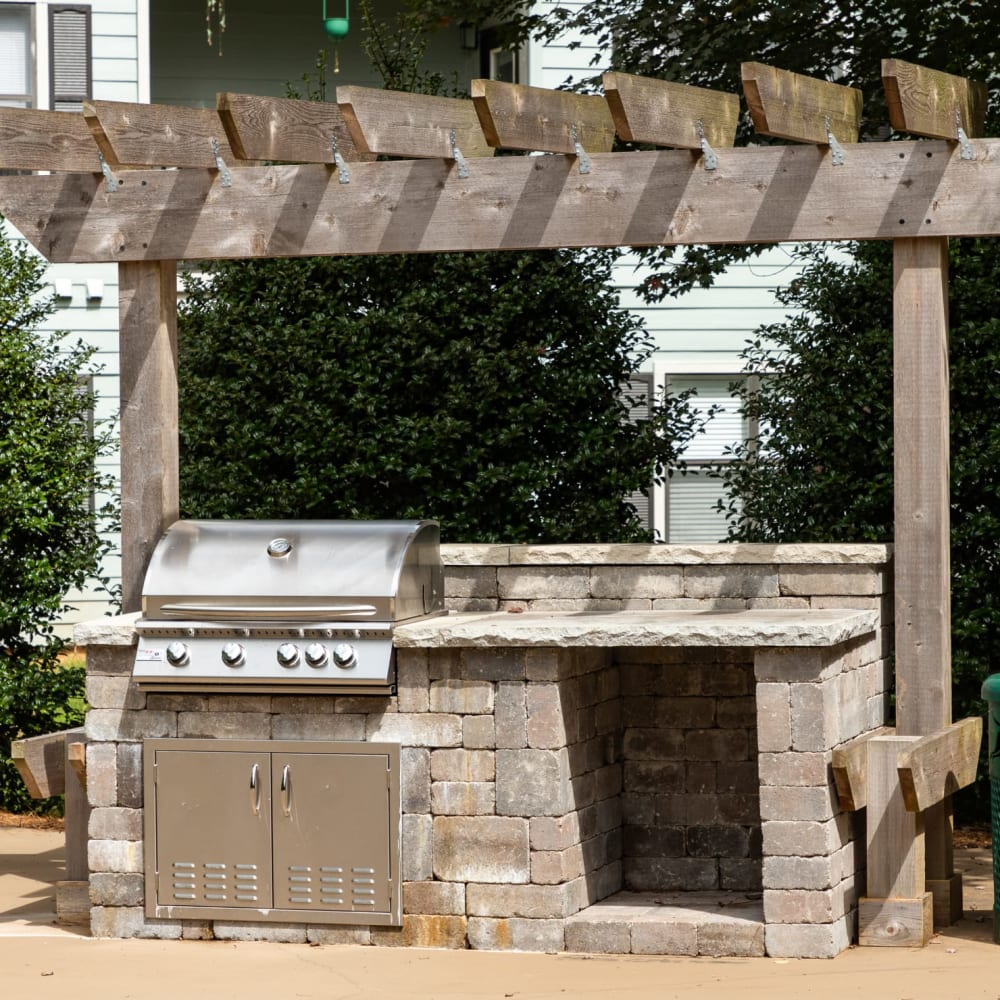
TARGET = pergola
(262,177)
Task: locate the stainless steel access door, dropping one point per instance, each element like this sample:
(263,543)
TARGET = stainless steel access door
(213,836)
(331,835)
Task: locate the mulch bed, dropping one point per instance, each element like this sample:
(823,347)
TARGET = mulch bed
(31,822)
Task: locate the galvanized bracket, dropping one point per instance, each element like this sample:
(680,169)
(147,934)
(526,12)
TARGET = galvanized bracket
(580,152)
(963,140)
(220,165)
(456,154)
(708,154)
(110,181)
(836,150)
(343,174)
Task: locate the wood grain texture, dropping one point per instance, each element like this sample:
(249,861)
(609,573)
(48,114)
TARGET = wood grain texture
(280,129)
(895,923)
(792,106)
(513,116)
(46,140)
(895,837)
(389,123)
(850,770)
(921,470)
(924,101)
(77,806)
(938,765)
(156,135)
(665,114)
(149,448)
(41,762)
(660,198)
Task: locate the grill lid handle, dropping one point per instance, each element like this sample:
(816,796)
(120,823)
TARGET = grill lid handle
(317,612)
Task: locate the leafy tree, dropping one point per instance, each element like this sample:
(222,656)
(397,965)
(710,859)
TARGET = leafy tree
(479,389)
(821,469)
(49,536)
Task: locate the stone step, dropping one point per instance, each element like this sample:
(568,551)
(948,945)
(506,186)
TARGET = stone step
(719,924)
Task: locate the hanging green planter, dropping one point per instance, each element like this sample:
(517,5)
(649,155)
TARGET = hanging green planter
(337,27)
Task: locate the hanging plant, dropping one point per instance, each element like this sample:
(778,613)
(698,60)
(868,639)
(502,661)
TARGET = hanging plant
(215,14)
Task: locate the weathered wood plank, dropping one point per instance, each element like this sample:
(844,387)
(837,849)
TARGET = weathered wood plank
(666,114)
(46,140)
(792,106)
(41,762)
(149,449)
(938,765)
(850,770)
(156,135)
(280,129)
(390,123)
(897,910)
(758,195)
(514,116)
(926,101)
(77,806)
(922,512)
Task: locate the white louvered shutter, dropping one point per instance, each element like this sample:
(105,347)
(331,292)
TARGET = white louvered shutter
(639,390)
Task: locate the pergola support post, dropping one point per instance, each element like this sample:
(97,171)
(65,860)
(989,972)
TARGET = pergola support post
(921,431)
(147,304)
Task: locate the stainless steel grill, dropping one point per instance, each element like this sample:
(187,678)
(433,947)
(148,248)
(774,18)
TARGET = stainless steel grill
(278,606)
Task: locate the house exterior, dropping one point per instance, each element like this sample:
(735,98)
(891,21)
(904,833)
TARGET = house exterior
(157,51)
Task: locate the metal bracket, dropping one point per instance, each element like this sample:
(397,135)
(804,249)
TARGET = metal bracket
(836,150)
(220,165)
(110,181)
(708,154)
(963,140)
(343,174)
(456,154)
(581,154)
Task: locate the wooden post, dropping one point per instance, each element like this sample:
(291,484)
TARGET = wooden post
(149,450)
(923,527)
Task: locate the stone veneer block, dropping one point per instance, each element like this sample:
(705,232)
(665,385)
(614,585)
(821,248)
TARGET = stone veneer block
(225,930)
(516,934)
(481,849)
(463,798)
(533,783)
(428,729)
(731,581)
(808,940)
(806,838)
(415,779)
(418,854)
(479,732)
(327,934)
(820,580)
(115,824)
(511,715)
(520,583)
(423,931)
(535,901)
(630,582)
(461,696)
(102,774)
(437,898)
(115,856)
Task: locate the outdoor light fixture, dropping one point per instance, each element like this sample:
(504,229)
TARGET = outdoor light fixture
(468,32)
(337,27)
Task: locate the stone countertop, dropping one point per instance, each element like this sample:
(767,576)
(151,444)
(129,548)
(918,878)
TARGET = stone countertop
(639,628)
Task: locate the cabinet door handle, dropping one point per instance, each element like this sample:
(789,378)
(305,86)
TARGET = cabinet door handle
(286,790)
(255,789)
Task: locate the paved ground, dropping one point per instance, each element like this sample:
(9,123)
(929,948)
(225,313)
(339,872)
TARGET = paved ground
(39,960)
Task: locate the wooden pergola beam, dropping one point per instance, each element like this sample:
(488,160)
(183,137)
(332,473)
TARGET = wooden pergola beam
(801,108)
(415,126)
(281,129)
(928,102)
(662,198)
(156,135)
(46,140)
(668,114)
(540,120)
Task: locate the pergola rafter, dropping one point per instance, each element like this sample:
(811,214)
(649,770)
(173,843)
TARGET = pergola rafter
(449,194)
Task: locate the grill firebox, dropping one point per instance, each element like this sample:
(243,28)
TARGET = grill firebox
(283,606)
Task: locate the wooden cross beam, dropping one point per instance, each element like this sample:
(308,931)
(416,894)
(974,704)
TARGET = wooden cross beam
(663,198)
(927,102)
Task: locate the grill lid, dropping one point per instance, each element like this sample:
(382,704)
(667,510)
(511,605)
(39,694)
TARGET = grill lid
(295,571)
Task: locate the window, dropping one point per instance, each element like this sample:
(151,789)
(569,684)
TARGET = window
(65,83)
(498,60)
(639,393)
(691,499)
(17,70)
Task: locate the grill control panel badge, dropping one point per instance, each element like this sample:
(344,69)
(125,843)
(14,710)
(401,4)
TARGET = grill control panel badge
(279,547)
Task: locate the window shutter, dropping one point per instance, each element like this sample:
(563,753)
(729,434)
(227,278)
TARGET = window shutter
(69,47)
(639,393)
(691,518)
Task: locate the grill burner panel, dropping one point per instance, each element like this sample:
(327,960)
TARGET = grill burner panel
(267,605)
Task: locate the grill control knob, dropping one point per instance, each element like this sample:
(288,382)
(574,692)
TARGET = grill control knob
(316,654)
(345,655)
(233,654)
(177,654)
(288,654)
